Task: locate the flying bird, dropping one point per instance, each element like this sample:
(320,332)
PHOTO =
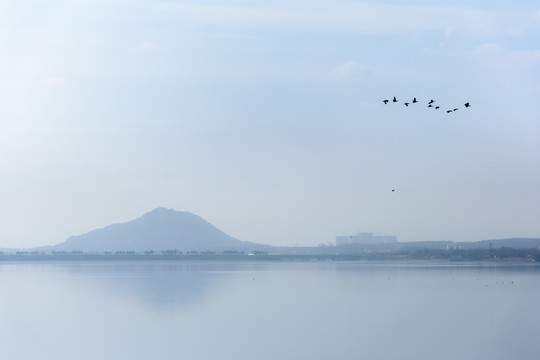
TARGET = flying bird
(430,104)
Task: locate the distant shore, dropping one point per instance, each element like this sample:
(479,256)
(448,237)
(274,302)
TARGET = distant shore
(499,255)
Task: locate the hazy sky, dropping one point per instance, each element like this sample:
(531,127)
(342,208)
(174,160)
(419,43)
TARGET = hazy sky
(266,117)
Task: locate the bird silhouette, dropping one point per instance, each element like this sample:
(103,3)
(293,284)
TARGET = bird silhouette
(430,104)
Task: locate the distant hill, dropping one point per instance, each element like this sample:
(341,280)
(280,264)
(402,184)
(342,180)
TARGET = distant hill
(515,243)
(160,229)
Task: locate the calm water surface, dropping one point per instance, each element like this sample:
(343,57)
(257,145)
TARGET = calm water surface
(210,310)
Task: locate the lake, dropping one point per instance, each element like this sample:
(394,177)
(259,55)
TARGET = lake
(269,310)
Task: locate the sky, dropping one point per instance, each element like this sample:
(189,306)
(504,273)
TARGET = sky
(266,118)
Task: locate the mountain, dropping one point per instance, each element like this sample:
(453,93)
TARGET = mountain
(160,229)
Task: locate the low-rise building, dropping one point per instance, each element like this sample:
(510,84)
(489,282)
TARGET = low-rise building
(365,238)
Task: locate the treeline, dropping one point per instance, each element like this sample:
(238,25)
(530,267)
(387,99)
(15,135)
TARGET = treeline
(502,254)
(303,254)
(129,253)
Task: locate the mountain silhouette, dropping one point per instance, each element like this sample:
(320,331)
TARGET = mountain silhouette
(160,229)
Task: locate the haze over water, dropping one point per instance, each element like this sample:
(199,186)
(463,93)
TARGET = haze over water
(264,310)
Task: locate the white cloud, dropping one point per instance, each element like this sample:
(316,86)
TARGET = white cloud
(359,17)
(526,57)
(148,46)
(488,50)
(518,69)
(495,53)
(490,53)
(55,82)
(348,69)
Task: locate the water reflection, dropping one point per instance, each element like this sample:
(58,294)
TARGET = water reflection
(159,284)
(171,310)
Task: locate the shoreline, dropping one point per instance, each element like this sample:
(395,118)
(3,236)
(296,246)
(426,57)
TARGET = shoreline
(375,257)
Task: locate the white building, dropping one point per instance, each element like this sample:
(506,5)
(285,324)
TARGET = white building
(365,238)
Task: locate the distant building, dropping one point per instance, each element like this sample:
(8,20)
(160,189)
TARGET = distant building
(365,238)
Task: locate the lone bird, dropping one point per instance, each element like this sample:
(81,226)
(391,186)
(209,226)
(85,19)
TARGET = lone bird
(385,101)
(430,105)
(437,107)
(414,101)
(431,102)
(448,111)
(395,100)
(467,104)
(393,190)
(456,109)
(406,104)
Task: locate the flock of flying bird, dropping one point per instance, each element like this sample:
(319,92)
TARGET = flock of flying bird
(430,104)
